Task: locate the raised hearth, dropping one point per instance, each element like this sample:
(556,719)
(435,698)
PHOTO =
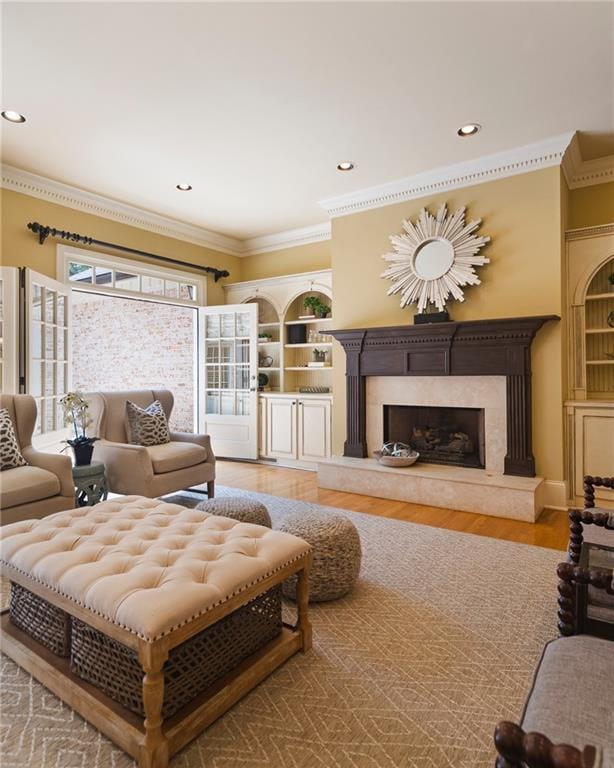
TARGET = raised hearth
(474,348)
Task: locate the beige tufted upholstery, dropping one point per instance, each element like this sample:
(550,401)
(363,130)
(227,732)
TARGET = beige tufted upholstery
(186,461)
(143,564)
(42,487)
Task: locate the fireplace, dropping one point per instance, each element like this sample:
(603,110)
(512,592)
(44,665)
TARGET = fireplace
(441,435)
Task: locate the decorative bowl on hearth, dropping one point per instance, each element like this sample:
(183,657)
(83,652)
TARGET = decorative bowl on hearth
(396,455)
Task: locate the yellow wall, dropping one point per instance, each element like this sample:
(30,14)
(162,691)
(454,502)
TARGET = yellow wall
(20,247)
(522,214)
(287,261)
(590,206)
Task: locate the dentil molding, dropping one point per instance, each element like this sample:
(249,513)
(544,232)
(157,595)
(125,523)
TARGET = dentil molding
(531,157)
(585,173)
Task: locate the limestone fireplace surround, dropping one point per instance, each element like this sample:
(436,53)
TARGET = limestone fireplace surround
(477,364)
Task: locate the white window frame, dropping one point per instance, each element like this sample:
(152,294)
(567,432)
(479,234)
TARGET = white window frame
(9,383)
(67,254)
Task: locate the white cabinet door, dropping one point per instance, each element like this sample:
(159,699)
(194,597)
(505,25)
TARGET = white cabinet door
(314,428)
(594,448)
(228,371)
(262,427)
(281,427)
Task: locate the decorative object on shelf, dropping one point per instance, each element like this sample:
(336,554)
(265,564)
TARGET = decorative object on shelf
(314,390)
(263,381)
(297,334)
(611,319)
(76,414)
(306,317)
(265,336)
(433,258)
(431,317)
(611,282)
(317,305)
(396,455)
(318,355)
(265,361)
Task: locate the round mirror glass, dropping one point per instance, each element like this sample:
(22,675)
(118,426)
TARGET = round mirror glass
(433,258)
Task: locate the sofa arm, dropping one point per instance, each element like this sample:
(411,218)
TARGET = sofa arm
(518,749)
(126,466)
(53,462)
(203,440)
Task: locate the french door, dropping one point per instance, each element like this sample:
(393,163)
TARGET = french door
(228,379)
(45,370)
(9,330)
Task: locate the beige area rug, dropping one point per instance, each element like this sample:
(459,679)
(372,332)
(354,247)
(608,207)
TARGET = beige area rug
(436,644)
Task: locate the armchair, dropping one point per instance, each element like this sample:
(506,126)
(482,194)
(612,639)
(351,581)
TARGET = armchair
(151,471)
(45,484)
(602,519)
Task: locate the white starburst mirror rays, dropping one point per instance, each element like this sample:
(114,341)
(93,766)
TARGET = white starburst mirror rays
(433,258)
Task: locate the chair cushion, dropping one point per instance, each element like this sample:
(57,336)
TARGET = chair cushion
(146,426)
(170,457)
(572,698)
(23,485)
(10,454)
(144,564)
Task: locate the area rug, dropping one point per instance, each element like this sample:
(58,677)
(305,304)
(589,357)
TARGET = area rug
(436,643)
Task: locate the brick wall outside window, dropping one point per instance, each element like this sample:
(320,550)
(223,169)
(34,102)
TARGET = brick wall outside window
(129,344)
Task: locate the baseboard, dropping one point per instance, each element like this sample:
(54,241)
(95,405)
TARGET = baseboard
(555,495)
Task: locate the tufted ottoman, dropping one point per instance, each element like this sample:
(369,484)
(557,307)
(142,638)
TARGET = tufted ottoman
(148,593)
(336,553)
(238,508)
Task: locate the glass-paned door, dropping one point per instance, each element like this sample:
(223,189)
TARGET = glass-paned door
(9,330)
(228,377)
(47,369)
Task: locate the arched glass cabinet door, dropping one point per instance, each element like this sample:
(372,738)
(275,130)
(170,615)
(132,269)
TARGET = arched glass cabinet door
(228,379)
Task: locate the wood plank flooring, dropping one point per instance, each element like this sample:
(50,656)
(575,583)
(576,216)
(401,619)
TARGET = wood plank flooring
(550,531)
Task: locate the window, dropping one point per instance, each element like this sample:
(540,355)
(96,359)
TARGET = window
(99,272)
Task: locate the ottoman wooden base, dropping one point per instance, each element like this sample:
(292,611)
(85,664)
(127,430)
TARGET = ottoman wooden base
(152,741)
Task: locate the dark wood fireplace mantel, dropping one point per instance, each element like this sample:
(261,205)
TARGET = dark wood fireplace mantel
(499,347)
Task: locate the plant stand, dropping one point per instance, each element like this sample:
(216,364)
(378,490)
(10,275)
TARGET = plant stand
(90,484)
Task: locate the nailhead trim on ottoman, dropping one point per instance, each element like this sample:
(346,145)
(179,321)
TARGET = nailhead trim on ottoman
(336,553)
(237,508)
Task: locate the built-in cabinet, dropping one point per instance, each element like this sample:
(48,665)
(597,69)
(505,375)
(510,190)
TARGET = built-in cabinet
(294,426)
(589,411)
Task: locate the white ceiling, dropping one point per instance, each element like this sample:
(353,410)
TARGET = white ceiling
(255,104)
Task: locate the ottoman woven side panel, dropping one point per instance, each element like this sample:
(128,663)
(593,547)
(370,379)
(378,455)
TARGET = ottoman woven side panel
(47,624)
(192,666)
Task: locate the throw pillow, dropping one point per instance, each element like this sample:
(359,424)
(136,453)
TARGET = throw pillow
(10,454)
(147,426)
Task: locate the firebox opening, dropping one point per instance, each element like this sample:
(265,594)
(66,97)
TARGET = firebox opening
(441,435)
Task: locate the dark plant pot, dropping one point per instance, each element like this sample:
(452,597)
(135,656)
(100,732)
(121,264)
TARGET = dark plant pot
(83,453)
(322,315)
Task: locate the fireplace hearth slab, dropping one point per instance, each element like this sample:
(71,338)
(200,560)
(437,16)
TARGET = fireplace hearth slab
(436,485)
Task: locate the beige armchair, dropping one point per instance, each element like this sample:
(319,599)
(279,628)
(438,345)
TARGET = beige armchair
(151,471)
(45,485)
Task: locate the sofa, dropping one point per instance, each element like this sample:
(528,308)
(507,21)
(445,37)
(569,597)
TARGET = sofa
(45,484)
(152,471)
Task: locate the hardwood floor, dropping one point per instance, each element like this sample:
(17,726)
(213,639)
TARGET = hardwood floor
(551,530)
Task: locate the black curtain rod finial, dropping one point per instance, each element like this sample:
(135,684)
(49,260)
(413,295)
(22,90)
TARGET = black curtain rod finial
(44,232)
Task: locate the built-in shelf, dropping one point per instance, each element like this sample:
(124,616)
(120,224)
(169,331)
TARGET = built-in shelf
(264,370)
(309,322)
(265,343)
(599,296)
(600,362)
(268,325)
(314,344)
(600,330)
(311,370)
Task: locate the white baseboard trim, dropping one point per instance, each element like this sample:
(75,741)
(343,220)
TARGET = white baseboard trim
(555,495)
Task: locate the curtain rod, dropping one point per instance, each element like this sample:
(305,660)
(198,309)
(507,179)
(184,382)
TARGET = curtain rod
(44,232)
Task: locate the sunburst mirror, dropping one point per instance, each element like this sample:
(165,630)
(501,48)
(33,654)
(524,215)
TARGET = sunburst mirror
(434,258)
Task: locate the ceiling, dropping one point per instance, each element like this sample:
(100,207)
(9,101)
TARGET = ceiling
(255,104)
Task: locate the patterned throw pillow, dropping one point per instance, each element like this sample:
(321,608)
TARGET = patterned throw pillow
(10,455)
(147,426)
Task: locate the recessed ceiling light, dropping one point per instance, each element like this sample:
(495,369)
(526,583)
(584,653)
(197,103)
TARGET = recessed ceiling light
(346,165)
(184,187)
(469,130)
(12,116)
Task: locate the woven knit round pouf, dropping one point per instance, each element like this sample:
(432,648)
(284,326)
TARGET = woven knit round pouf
(336,553)
(245,510)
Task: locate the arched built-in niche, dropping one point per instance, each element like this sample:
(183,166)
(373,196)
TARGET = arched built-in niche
(270,358)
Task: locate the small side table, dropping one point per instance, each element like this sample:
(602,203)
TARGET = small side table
(90,484)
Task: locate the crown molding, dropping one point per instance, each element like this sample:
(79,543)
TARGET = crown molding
(72,197)
(585,173)
(531,157)
(290,238)
(267,282)
(583,232)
